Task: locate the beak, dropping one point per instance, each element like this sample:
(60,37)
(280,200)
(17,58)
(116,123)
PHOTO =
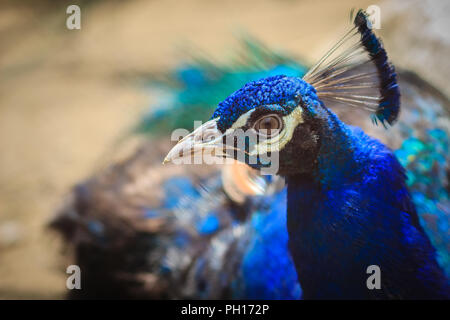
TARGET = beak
(205,138)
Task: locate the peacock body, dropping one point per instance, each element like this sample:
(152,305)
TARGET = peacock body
(195,239)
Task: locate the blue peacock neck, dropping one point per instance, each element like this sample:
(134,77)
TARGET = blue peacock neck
(340,157)
(320,233)
(352,211)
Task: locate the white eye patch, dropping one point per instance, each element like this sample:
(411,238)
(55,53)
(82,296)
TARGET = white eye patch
(242,120)
(277,142)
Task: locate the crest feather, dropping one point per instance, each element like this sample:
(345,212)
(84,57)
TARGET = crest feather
(356,72)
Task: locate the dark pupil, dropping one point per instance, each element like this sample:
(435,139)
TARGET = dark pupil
(268,124)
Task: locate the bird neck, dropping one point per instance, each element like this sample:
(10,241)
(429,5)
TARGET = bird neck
(329,212)
(340,154)
(348,214)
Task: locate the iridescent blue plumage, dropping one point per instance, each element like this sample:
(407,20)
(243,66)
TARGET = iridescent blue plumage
(210,246)
(348,209)
(356,178)
(348,204)
(267,268)
(279,90)
(356,219)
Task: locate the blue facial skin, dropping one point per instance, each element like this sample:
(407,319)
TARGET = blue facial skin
(280,92)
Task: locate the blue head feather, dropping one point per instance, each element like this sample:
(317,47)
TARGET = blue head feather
(280,90)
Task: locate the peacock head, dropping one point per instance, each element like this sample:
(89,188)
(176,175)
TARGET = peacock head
(272,124)
(281,125)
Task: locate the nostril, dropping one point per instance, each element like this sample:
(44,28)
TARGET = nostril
(208,137)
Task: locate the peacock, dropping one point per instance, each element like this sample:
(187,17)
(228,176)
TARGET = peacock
(213,232)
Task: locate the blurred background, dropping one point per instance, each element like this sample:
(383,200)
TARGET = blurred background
(68,97)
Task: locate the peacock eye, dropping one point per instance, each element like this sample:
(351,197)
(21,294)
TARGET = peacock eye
(269,125)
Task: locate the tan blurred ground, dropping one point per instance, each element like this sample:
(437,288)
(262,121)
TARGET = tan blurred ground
(66,96)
